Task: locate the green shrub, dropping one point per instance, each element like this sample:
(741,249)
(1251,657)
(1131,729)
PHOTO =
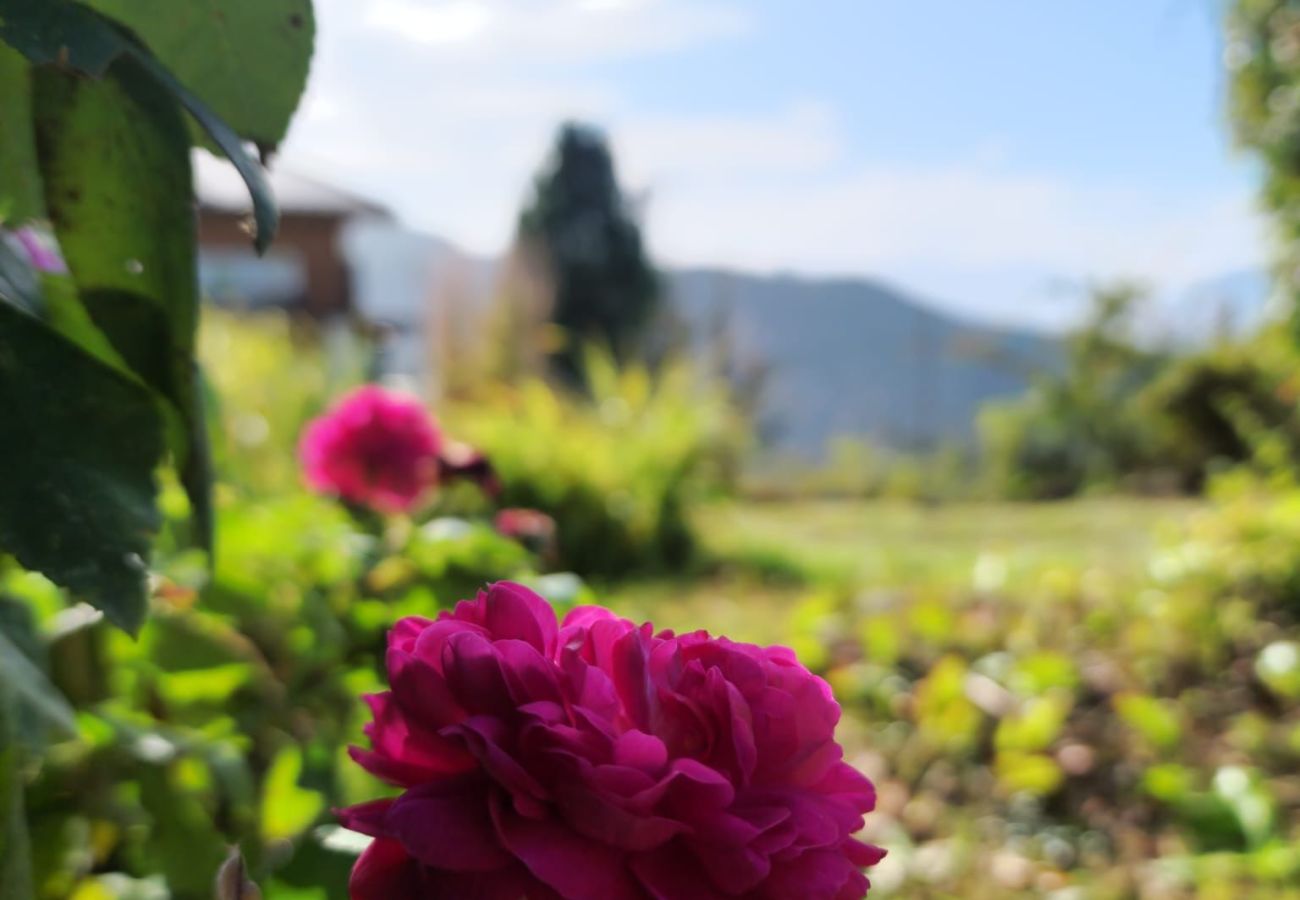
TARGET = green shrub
(619,472)
(1222,406)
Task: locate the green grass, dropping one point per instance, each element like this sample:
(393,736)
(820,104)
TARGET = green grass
(879,542)
(771,554)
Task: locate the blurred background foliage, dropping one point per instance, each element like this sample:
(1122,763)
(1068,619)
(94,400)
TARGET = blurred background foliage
(1094,695)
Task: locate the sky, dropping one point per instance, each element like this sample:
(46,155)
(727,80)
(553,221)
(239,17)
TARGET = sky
(991,156)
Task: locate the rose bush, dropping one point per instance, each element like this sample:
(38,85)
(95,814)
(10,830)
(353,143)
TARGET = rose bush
(599,760)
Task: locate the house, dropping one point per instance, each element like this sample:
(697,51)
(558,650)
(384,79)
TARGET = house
(306,269)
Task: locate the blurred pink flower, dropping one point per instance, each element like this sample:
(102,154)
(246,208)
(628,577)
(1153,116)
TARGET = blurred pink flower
(531,527)
(41,250)
(597,760)
(375,448)
(457,461)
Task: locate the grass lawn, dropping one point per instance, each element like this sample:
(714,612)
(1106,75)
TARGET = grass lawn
(773,553)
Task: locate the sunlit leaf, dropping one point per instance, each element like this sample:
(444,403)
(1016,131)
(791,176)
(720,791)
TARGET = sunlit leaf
(247,59)
(1155,720)
(287,809)
(1029,772)
(20,186)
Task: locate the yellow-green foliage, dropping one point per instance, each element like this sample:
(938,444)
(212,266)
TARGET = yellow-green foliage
(1100,719)
(617,470)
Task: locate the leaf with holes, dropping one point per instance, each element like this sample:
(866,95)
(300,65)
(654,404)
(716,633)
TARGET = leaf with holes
(247,59)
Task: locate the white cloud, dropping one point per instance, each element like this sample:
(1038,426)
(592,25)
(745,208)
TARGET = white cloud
(961,213)
(530,31)
(802,138)
(430,23)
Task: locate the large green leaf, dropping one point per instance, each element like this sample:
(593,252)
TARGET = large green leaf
(15,849)
(116,167)
(78,446)
(61,32)
(32,692)
(247,59)
(20,186)
(71,36)
(117,182)
(288,809)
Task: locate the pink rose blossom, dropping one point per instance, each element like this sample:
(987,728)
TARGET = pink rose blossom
(374,448)
(598,760)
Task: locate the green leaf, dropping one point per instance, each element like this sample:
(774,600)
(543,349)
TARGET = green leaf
(59,32)
(247,59)
(116,167)
(71,36)
(78,445)
(1158,721)
(184,840)
(62,310)
(30,688)
(1035,726)
(287,809)
(15,848)
(20,186)
(1029,772)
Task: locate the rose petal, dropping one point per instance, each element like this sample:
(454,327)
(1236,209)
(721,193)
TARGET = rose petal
(513,611)
(576,867)
(446,825)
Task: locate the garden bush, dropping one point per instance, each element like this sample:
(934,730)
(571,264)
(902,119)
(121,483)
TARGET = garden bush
(618,471)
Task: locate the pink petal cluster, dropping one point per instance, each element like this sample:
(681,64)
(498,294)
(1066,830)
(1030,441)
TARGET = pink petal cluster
(598,760)
(374,448)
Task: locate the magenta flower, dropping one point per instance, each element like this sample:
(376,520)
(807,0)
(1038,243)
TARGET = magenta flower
(597,760)
(373,448)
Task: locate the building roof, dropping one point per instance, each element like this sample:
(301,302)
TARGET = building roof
(219,188)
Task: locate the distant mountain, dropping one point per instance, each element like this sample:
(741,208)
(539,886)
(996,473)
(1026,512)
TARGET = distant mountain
(858,357)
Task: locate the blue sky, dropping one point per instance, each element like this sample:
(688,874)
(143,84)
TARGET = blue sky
(982,154)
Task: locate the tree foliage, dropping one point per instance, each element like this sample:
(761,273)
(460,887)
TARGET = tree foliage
(581,226)
(1263,56)
(1079,427)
